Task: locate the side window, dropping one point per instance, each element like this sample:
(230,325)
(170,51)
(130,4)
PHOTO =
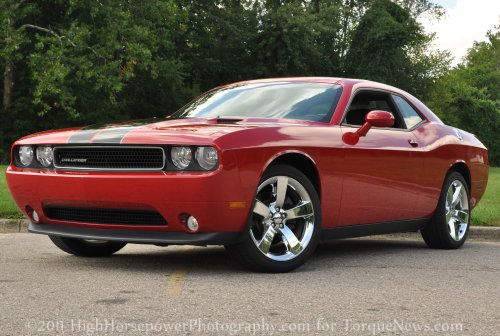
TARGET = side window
(366,101)
(410,116)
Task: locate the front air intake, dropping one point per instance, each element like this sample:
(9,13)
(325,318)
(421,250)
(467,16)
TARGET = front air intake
(104,215)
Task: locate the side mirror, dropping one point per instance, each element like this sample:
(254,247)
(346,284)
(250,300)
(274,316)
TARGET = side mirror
(373,118)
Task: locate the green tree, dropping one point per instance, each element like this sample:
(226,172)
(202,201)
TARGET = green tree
(20,22)
(78,62)
(216,43)
(468,96)
(287,44)
(390,46)
(105,50)
(74,62)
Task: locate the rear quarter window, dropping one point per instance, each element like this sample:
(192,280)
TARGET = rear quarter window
(410,116)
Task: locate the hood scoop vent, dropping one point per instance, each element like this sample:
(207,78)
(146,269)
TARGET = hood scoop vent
(227,120)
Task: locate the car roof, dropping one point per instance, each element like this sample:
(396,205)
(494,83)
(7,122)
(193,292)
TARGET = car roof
(330,80)
(348,83)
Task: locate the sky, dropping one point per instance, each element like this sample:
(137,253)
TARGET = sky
(465,21)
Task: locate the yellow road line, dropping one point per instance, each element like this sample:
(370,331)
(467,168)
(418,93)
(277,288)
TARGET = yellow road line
(177,278)
(175,283)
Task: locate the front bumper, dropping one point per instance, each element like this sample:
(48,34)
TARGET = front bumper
(216,199)
(139,237)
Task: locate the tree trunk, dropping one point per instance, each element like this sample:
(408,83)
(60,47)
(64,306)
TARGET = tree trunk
(8,84)
(316,6)
(347,13)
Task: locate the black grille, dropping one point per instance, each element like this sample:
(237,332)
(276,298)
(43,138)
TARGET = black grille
(104,215)
(110,158)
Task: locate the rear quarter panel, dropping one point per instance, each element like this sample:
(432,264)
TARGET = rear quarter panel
(440,148)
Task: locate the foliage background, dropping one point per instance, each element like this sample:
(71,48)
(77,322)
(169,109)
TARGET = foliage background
(76,62)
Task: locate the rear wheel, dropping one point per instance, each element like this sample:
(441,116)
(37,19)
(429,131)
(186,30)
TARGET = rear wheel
(449,227)
(285,223)
(87,247)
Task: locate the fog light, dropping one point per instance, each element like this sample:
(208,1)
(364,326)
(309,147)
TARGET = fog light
(192,223)
(32,214)
(35,216)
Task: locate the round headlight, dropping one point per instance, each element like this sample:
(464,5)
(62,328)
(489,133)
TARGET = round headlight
(181,156)
(206,157)
(45,155)
(26,155)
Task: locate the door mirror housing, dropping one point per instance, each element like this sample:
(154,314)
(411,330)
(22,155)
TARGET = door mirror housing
(380,119)
(375,118)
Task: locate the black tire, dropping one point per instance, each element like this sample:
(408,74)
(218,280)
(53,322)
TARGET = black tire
(84,248)
(247,254)
(436,233)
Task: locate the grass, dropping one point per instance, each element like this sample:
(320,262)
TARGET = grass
(487,213)
(8,208)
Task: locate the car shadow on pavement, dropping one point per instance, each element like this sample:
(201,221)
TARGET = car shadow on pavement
(165,259)
(215,259)
(356,246)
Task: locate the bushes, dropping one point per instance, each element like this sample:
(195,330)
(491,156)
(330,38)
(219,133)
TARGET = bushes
(468,96)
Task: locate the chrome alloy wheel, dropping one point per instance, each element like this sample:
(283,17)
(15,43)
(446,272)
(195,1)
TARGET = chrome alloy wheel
(457,210)
(283,218)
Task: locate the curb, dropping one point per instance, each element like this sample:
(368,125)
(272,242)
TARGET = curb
(13,225)
(485,232)
(476,232)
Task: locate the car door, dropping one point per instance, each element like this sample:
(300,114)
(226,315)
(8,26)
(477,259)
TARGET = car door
(381,170)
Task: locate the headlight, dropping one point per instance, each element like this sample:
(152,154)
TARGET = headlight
(26,155)
(206,157)
(45,155)
(181,156)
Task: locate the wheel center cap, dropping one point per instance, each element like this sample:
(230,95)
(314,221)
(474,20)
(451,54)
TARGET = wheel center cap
(278,217)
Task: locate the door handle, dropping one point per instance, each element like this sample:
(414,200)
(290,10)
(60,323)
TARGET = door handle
(413,143)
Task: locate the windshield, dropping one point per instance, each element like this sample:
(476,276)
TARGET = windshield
(290,100)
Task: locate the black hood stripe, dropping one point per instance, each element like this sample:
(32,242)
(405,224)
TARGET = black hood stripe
(107,133)
(113,135)
(82,136)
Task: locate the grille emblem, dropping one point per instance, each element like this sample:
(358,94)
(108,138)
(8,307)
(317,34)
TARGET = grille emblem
(73,160)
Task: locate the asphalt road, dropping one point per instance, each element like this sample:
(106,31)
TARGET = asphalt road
(351,287)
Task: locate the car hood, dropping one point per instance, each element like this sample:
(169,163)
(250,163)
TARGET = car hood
(195,131)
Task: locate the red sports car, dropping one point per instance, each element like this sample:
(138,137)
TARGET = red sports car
(266,167)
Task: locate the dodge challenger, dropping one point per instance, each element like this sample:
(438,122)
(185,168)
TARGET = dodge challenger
(268,168)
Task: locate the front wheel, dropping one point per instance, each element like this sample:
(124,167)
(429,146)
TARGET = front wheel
(449,227)
(87,247)
(284,225)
